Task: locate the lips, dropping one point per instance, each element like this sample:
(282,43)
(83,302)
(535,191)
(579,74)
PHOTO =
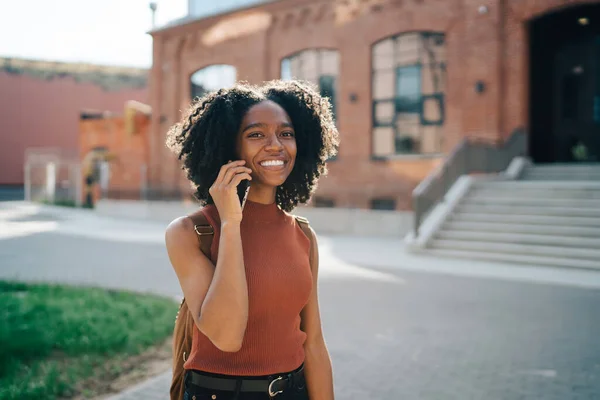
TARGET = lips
(273,164)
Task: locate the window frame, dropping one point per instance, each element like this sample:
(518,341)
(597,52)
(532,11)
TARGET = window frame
(397,67)
(319,50)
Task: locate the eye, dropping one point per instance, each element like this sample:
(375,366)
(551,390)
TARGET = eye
(254,135)
(288,134)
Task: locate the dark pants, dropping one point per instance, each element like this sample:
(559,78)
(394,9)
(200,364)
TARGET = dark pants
(296,390)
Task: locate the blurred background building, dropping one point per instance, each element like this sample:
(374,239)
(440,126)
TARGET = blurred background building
(409,80)
(41,103)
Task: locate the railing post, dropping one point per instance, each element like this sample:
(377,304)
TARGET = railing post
(417,212)
(444,180)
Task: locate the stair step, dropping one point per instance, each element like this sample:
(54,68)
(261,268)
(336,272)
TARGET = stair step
(564,166)
(473,199)
(577,172)
(518,227)
(575,194)
(522,238)
(549,221)
(557,178)
(545,185)
(524,249)
(530,210)
(517,259)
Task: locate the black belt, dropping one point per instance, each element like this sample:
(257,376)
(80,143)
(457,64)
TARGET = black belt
(271,385)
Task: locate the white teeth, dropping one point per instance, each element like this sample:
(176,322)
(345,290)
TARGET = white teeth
(271,163)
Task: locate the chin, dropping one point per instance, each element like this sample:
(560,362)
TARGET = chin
(272,178)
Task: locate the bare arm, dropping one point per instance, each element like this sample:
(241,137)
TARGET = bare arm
(216,296)
(318,370)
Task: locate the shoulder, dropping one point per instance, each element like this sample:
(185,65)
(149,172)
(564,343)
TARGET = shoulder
(178,229)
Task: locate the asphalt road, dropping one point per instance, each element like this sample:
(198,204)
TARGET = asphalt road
(392,333)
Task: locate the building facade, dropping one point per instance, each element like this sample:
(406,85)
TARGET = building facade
(113,152)
(40,104)
(409,79)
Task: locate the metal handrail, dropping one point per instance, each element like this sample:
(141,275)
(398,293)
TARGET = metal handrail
(471,155)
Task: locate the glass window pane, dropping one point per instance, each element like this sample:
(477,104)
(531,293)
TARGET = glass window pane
(327,89)
(286,69)
(329,62)
(408,49)
(212,78)
(408,124)
(384,113)
(408,128)
(383,141)
(432,79)
(296,67)
(408,89)
(383,55)
(431,139)
(383,85)
(432,110)
(310,65)
(434,50)
(323,202)
(383,204)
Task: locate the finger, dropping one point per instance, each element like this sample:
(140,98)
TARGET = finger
(233,172)
(226,168)
(238,179)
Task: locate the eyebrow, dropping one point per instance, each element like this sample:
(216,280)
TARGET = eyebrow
(263,125)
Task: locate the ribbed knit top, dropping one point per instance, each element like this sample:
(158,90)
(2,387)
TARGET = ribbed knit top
(276,259)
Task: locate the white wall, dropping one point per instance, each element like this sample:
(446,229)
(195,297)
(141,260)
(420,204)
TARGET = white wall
(333,221)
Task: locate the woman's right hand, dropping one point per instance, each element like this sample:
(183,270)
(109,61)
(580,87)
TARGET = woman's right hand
(224,190)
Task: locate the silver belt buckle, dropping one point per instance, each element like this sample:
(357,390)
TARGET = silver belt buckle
(271,393)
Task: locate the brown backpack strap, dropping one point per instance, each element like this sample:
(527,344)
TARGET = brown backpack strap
(305,226)
(204,231)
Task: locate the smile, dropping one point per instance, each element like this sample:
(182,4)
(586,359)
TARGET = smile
(272,163)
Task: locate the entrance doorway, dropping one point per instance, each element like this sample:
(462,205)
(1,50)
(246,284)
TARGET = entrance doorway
(565,86)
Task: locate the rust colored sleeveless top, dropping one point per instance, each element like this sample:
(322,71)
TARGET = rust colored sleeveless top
(276,258)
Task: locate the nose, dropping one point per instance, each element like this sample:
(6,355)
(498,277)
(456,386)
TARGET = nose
(274,144)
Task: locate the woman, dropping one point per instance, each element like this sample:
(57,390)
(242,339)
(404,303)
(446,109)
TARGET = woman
(254,302)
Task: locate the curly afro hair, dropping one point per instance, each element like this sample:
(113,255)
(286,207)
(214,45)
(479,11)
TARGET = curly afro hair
(205,139)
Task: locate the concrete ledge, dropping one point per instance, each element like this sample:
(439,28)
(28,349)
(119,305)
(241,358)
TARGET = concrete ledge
(331,221)
(439,215)
(516,168)
(358,222)
(159,211)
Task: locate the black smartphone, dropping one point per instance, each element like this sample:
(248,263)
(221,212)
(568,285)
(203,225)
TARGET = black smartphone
(242,191)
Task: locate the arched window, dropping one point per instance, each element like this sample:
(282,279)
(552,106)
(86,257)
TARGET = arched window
(320,66)
(409,81)
(212,78)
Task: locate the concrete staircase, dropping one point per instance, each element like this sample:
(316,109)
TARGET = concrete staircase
(550,217)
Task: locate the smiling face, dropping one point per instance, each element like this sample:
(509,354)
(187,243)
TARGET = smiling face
(267,142)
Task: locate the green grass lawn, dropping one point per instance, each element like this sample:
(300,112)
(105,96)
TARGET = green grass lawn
(54,337)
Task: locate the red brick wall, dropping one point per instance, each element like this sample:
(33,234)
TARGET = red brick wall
(40,113)
(486,46)
(128,150)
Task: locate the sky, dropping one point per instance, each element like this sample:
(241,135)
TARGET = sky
(109,32)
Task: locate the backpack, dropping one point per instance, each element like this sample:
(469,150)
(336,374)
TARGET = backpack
(184,322)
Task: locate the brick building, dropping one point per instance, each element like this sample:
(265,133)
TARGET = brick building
(40,104)
(409,80)
(122,141)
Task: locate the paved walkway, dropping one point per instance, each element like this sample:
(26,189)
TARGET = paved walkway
(397,325)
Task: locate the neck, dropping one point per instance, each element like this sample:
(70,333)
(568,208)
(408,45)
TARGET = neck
(262,194)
